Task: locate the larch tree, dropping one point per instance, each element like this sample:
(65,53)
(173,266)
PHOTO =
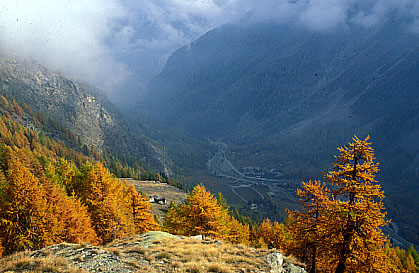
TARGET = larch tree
(200,215)
(237,232)
(412,251)
(175,219)
(308,227)
(140,209)
(24,219)
(104,197)
(343,222)
(357,210)
(69,217)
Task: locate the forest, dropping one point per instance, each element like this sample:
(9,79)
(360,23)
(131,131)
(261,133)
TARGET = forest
(51,193)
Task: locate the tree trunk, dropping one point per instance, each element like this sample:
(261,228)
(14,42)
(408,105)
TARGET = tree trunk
(313,260)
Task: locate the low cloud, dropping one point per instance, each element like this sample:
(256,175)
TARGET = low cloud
(111,42)
(64,35)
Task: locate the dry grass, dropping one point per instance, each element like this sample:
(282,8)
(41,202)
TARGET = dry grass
(21,262)
(167,255)
(151,188)
(293,260)
(191,255)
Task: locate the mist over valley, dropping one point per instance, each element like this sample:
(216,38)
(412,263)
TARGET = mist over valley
(249,98)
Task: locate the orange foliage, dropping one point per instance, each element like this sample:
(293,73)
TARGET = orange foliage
(140,208)
(24,218)
(45,199)
(104,197)
(201,214)
(69,218)
(236,232)
(341,226)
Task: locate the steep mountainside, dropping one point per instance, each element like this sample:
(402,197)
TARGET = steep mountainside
(285,96)
(79,109)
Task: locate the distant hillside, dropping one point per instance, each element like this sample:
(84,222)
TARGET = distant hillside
(285,96)
(78,108)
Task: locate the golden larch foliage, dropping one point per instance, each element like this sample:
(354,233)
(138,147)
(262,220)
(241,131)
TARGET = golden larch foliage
(103,195)
(308,228)
(237,232)
(69,218)
(140,209)
(24,219)
(343,222)
(200,215)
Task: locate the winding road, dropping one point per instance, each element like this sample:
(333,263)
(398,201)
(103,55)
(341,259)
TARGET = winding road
(219,165)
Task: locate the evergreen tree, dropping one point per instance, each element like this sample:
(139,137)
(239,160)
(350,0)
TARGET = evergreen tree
(412,251)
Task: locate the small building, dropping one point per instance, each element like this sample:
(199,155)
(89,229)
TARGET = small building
(157,199)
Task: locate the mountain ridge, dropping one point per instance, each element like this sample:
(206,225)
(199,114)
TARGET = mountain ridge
(291,95)
(79,108)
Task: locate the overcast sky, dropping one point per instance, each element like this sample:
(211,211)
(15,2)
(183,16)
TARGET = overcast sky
(107,42)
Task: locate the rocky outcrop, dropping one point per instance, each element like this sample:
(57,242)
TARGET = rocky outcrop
(78,108)
(151,252)
(277,265)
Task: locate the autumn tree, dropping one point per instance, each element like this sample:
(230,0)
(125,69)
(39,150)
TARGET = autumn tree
(1,248)
(412,251)
(237,232)
(200,214)
(308,227)
(175,220)
(351,237)
(63,173)
(104,197)
(140,209)
(24,222)
(68,217)
(4,102)
(357,208)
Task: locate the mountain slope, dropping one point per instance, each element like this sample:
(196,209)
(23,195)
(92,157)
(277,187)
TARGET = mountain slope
(282,95)
(79,108)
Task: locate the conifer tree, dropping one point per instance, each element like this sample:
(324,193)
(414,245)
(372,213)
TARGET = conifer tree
(200,215)
(23,211)
(236,232)
(1,248)
(278,235)
(63,173)
(412,251)
(344,222)
(357,210)
(69,218)
(308,227)
(140,208)
(175,219)
(104,197)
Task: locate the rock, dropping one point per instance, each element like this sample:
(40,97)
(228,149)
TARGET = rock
(292,268)
(275,261)
(152,252)
(88,258)
(80,108)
